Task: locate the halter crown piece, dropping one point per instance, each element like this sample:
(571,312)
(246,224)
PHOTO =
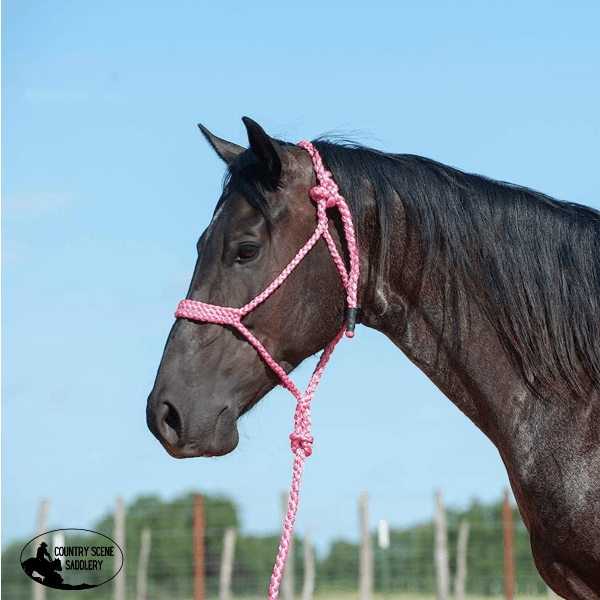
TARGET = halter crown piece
(326,195)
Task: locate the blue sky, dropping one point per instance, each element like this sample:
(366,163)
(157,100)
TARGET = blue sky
(107,184)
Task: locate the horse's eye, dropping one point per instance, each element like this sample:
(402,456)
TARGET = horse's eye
(246,252)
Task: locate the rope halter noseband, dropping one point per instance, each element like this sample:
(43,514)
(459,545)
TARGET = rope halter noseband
(326,195)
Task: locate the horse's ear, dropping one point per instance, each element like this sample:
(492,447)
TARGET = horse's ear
(226,150)
(266,149)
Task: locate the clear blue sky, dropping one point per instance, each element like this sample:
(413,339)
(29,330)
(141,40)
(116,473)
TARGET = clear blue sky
(107,184)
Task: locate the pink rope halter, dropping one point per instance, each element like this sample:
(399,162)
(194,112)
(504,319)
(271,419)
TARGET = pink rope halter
(326,195)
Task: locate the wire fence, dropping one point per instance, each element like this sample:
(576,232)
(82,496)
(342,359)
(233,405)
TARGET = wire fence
(406,566)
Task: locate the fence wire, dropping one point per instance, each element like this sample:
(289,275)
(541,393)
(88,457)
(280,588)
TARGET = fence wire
(407,565)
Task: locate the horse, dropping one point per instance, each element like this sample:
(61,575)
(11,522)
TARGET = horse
(47,569)
(491,289)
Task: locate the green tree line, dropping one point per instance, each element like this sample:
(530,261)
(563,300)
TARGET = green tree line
(409,558)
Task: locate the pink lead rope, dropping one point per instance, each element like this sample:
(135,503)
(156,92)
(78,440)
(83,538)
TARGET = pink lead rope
(326,195)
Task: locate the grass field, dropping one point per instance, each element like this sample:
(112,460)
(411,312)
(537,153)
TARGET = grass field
(398,596)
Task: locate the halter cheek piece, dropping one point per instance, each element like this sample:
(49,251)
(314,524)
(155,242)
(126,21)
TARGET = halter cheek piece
(326,195)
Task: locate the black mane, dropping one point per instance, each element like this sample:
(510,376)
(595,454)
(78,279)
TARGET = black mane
(245,174)
(532,262)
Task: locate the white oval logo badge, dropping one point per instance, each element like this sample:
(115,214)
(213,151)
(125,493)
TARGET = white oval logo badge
(72,559)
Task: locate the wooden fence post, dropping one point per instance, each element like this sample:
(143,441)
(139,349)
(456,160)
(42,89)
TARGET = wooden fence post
(383,538)
(58,540)
(309,567)
(460,583)
(509,549)
(119,537)
(366,551)
(287,578)
(199,583)
(39,591)
(441,549)
(142,571)
(227,564)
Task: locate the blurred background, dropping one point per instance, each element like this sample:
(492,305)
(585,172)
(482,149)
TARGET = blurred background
(106,187)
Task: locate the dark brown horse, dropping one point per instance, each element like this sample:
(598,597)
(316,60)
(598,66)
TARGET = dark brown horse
(493,290)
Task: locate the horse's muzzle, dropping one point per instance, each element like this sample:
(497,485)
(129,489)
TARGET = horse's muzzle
(183,439)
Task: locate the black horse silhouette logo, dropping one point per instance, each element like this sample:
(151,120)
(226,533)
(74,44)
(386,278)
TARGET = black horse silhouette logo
(46,568)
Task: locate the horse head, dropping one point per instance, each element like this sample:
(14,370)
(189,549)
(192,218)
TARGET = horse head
(209,374)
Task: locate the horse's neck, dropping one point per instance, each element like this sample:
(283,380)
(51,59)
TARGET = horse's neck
(478,379)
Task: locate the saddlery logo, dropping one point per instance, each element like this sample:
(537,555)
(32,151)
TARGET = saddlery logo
(71,559)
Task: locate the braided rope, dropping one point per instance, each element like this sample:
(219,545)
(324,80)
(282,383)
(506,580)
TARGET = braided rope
(326,195)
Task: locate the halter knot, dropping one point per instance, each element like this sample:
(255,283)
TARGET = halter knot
(302,440)
(327,191)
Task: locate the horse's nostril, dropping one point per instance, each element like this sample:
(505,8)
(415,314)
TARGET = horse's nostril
(170,423)
(172,420)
